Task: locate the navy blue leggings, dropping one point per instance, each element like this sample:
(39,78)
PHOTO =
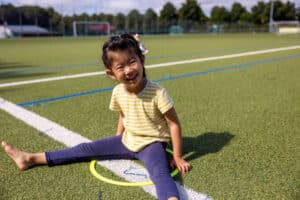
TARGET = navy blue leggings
(153,156)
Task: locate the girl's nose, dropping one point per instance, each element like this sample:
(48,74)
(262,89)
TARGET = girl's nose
(128,70)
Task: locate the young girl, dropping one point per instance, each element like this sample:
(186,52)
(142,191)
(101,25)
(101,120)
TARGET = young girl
(147,122)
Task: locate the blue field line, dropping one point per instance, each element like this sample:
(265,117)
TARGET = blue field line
(168,78)
(227,68)
(43,101)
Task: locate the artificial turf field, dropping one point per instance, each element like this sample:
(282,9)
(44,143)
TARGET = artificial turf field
(241,125)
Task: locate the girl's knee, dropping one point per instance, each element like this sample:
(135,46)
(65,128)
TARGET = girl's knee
(158,172)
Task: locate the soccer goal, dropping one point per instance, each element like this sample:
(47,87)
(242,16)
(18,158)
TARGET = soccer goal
(286,27)
(88,28)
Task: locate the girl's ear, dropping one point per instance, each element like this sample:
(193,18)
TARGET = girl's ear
(111,74)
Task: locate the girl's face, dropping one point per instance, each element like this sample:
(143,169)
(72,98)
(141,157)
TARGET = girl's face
(127,68)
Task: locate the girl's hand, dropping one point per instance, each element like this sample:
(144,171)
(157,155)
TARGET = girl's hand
(181,164)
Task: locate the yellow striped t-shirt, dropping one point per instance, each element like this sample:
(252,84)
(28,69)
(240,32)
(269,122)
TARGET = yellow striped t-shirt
(144,122)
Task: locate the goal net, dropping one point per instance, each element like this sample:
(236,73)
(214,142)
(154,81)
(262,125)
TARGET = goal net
(88,28)
(286,27)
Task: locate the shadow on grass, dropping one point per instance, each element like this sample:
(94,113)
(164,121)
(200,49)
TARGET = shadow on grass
(20,70)
(7,90)
(16,74)
(6,65)
(206,143)
(201,145)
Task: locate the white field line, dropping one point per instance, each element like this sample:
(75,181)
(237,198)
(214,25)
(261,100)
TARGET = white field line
(51,79)
(250,53)
(69,138)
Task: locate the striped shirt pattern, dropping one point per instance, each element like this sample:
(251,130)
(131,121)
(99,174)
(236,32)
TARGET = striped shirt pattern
(144,120)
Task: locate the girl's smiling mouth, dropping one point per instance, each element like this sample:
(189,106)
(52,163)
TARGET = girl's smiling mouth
(132,78)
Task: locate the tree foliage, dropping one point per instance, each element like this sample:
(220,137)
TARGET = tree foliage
(260,13)
(120,21)
(150,19)
(282,11)
(134,20)
(190,10)
(220,14)
(169,12)
(169,15)
(237,11)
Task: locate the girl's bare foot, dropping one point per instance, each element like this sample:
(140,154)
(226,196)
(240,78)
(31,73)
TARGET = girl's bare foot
(21,158)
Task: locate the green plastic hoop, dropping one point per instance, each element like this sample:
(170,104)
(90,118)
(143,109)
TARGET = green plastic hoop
(123,183)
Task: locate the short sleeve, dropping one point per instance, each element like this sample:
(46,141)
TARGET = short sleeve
(114,104)
(164,101)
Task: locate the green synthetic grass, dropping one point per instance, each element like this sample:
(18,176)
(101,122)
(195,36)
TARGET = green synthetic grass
(25,59)
(240,126)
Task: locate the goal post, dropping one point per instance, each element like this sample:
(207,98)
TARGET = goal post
(286,27)
(88,28)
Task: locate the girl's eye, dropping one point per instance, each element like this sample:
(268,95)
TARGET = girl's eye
(132,61)
(119,68)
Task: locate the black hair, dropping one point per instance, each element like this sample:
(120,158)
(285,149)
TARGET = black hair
(121,43)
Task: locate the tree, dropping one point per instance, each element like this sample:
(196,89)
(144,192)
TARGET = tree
(237,10)
(190,10)
(9,14)
(245,17)
(219,14)
(150,19)
(168,17)
(260,13)
(120,21)
(68,25)
(42,17)
(110,18)
(134,21)
(168,12)
(54,18)
(284,11)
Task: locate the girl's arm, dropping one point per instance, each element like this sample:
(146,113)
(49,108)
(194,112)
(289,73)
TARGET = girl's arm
(175,130)
(120,127)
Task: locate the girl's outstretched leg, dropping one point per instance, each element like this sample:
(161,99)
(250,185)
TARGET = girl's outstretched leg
(24,160)
(105,148)
(155,159)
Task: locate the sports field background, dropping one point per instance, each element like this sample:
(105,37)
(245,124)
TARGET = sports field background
(241,125)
